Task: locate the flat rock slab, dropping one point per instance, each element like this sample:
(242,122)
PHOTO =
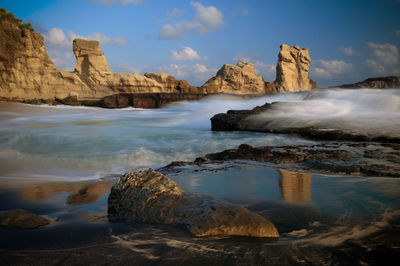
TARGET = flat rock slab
(151,197)
(21,219)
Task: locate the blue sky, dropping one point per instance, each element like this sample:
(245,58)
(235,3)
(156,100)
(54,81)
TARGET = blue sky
(348,40)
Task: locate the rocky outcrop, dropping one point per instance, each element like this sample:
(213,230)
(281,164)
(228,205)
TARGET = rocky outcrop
(374,83)
(173,85)
(239,79)
(292,70)
(21,219)
(151,197)
(291,75)
(248,120)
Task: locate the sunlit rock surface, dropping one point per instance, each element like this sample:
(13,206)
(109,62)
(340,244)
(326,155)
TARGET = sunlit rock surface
(292,70)
(239,79)
(151,197)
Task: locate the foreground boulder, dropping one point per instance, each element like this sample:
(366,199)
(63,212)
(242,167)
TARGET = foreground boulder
(21,219)
(151,197)
(375,83)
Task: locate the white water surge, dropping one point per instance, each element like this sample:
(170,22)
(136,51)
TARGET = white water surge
(366,111)
(64,142)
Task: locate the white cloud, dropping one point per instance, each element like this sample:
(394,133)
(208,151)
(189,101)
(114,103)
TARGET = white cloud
(62,59)
(244,11)
(123,2)
(241,57)
(385,58)
(266,70)
(186,54)
(386,53)
(206,19)
(175,12)
(260,68)
(56,38)
(347,50)
(327,69)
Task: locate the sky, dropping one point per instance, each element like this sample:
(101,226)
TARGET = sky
(349,41)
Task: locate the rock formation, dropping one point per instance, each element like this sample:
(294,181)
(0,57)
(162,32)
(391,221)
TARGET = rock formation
(375,83)
(149,196)
(26,71)
(291,75)
(21,219)
(292,70)
(27,74)
(173,85)
(239,79)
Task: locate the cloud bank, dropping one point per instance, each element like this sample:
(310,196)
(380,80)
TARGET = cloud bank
(206,19)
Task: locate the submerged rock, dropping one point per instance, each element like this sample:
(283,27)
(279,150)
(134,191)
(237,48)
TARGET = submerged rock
(21,219)
(151,197)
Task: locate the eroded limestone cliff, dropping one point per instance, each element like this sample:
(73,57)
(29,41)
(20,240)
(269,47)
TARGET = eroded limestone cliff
(239,79)
(292,70)
(291,75)
(28,74)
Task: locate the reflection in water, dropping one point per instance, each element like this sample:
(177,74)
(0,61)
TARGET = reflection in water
(295,186)
(81,193)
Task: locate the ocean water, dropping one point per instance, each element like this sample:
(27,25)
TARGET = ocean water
(63,142)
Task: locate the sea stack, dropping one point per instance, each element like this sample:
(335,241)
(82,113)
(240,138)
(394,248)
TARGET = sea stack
(292,70)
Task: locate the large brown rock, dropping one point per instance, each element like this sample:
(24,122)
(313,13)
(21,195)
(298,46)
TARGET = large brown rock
(292,70)
(151,197)
(239,79)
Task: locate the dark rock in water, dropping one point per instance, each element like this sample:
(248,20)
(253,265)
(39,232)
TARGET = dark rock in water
(146,100)
(376,83)
(246,120)
(359,159)
(21,219)
(151,197)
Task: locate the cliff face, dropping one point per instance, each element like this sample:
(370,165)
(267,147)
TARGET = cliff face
(292,70)
(239,79)
(26,70)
